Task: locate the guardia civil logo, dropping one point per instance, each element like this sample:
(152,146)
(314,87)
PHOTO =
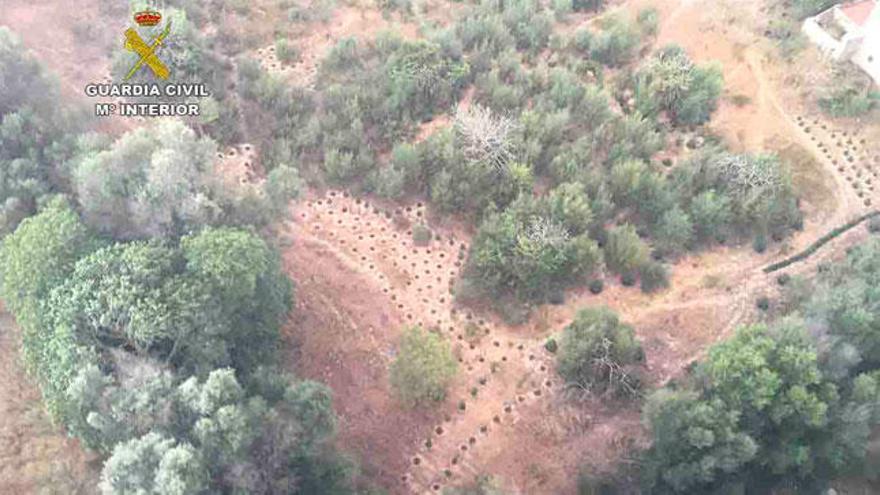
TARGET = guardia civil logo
(147,53)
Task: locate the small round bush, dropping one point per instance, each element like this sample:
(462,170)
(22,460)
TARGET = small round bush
(654,276)
(596,286)
(551,345)
(421,235)
(628,279)
(783,279)
(760,243)
(763,303)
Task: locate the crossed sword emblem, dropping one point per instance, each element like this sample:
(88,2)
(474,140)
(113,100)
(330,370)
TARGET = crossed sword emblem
(147,53)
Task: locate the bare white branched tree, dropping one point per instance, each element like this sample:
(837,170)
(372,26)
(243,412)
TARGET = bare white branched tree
(486,138)
(545,232)
(615,376)
(609,377)
(750,179)
(671,75)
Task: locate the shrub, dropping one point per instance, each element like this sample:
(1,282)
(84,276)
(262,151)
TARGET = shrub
(763,303)
(343,55)
(528,251)
(286,52)
(628,279)
(670,81)
(625,252)
(389,182)
(595,351)
(551,345)
(596,286)
(405,158)
(583,40)
(423,368)
(848,102)
(783,279)
(421,235)
(759,244)
(561,8)
(674,232)
(648,20)
(653,277)
(615,45)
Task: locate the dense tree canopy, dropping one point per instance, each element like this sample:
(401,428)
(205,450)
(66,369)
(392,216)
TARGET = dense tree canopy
(162,181)
(160,354)
(777,405)
(35,132)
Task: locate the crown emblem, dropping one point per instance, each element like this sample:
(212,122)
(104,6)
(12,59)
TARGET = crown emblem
(147,18)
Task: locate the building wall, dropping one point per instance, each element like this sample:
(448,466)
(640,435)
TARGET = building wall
(826,43)
(868,55)
(861,44)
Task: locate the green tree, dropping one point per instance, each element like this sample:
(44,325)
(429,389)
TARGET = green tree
(710,213)
(423,368)
(616,43)
(528,248)
(778,411)
(698,445)
(153,465)
(36,133)
(671,82)
(162,181)
(38,256)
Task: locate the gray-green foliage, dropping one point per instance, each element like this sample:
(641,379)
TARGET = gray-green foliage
(162,181)
(616,43)
(111,333)
(235,441)
(597,351)
(848,101)
(729,194)
(674,232)
(766,408)
(153,465)
(671,82)
(35,132)
(535,244)
(625,252)
(423,368)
